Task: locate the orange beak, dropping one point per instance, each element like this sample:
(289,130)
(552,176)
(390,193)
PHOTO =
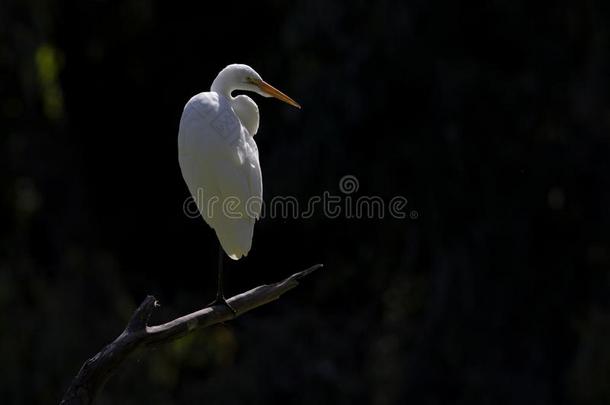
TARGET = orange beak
(273,92)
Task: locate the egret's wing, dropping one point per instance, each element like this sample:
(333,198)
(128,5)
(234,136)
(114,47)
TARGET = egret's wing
(239,182)
(234,188)
(255,177)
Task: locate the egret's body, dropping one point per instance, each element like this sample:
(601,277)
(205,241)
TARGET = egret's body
(219,160)
(219,157)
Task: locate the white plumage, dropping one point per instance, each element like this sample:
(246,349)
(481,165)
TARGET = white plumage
(219,157)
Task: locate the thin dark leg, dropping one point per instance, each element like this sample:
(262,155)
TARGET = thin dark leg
(220,296)
(220,291)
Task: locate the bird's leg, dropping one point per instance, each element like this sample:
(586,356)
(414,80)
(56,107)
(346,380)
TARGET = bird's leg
(220,296)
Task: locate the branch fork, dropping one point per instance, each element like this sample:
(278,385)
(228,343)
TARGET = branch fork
(97,370)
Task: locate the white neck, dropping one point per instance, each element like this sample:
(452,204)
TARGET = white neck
(230,79)
(224,84)
(233,77)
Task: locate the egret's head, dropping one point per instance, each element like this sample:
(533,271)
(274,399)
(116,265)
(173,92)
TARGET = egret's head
(246,78)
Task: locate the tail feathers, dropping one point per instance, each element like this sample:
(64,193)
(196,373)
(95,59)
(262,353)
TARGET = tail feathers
(236,237)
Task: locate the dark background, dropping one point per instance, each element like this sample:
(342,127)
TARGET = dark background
(492,120)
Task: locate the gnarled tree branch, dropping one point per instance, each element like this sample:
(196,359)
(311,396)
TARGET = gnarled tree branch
(96,371)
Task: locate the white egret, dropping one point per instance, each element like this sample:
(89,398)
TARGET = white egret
(219,158)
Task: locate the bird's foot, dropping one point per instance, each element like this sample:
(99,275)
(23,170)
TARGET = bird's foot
(221,300)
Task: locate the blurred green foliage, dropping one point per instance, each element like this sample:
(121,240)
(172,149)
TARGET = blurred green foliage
(48,63)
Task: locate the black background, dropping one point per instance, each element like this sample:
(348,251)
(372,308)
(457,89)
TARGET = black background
(491,119)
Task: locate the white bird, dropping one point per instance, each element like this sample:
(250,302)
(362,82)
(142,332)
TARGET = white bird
(219,158)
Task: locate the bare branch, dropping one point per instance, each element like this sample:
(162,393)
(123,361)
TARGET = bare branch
(96,371)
